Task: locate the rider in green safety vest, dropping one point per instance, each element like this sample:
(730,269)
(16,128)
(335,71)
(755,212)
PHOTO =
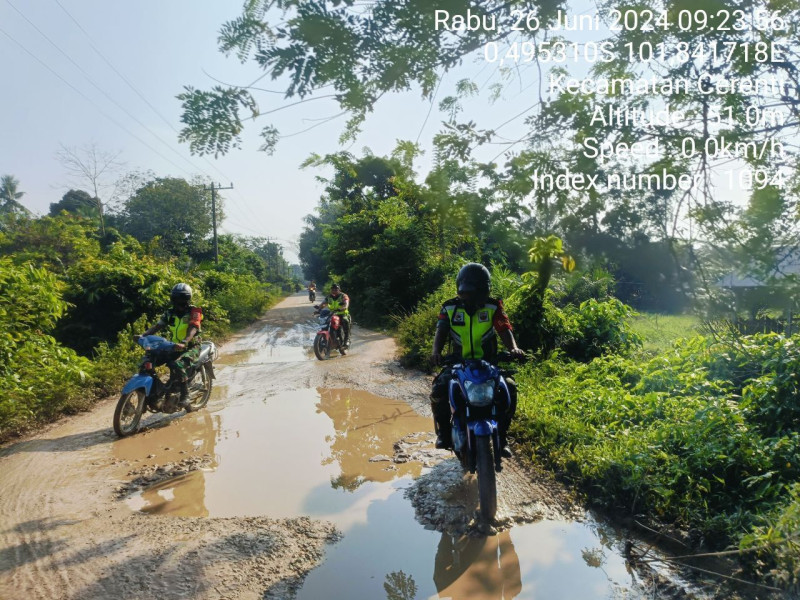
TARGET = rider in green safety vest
(471,321)
(339,303)
(182,321)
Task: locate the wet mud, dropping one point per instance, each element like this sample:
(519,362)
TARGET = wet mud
(302,478)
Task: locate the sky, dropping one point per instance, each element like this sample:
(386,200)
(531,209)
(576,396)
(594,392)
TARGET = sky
(63,62)
(77,73)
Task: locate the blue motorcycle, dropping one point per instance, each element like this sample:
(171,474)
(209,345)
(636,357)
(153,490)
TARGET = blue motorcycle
(146,390)
(479,397)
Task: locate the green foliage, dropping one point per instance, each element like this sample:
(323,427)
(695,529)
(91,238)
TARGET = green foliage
(415,331)
(577,315)
(598,328)
(55,243)
(173,211)
(77,202)
(38,376)
(242,296)
(31,300)
(687,437)
(374,235)
(111,290)
(777,544)
(10,196)
(89,294)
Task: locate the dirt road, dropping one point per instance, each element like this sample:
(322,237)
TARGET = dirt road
(69,527)
(300,478)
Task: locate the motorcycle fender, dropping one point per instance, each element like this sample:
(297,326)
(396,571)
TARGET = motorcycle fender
(325,334)
(136,382)
(482,427)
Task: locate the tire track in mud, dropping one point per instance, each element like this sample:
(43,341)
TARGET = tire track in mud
(65,534)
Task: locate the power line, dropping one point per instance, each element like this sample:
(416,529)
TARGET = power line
(90,101)
(99,89)
(111,99)
(146,101)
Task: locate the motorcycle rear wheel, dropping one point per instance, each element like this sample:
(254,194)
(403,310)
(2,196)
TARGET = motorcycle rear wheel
(128,413)
(487,482)
(321,347)
(199,398)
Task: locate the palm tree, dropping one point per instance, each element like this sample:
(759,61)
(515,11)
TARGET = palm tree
(9,196)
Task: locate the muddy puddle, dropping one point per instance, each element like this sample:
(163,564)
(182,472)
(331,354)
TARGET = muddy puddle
(331,454)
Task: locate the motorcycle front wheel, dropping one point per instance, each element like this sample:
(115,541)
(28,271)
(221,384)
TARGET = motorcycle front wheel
(321,347)
(200,394)
(487,482)
(129,412)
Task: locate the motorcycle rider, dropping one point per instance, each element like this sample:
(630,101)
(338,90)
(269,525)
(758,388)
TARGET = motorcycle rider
(470,321)
(339,303)
(183,323)
(312,290)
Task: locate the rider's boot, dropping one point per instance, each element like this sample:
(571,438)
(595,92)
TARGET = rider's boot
(184,401)
(505,451)
(444,432)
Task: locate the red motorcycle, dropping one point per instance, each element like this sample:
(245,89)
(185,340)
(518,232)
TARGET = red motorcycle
(330,335)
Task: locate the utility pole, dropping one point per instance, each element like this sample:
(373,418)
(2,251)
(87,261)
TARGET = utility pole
(214,214)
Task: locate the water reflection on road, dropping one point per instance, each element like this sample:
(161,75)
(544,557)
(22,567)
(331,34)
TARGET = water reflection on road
(307,452)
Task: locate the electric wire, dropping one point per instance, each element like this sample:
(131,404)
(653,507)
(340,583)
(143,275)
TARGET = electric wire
(98,88)
(147,102)
(92,102)
(110,98)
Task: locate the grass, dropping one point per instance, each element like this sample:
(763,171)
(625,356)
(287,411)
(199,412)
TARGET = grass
(659,331)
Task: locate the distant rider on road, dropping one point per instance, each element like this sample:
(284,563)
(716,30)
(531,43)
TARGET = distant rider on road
(339,303)
(182,321)
(470,321)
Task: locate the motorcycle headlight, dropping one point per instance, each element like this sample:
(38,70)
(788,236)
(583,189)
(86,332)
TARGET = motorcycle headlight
(479,394)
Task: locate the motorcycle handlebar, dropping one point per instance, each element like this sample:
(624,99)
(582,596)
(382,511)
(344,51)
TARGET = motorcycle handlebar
(449,361)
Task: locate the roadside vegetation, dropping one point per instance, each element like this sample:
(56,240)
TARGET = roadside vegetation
(72,293)
(678,420)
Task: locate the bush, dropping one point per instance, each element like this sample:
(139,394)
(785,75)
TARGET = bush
(38,376)
(110,291)
(113,364)
(241,296)
(777,545)
(581,333)
(598,328)
(415,331)
(703,436)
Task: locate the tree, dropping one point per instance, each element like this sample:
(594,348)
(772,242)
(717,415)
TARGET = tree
(173,210)
(356,55)
(9,196)
(76,202)
(93,167)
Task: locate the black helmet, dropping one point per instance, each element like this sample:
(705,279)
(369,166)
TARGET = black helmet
(475,278)
(335,286)
(181,294)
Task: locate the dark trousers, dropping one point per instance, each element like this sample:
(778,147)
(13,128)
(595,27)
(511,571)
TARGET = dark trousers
(346,323)
(180,365)
(440,405)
